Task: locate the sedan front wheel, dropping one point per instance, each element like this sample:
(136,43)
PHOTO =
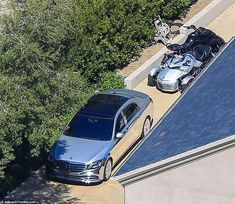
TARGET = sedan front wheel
(107,170)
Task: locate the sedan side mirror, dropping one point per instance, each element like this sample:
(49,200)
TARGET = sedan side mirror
(119,135)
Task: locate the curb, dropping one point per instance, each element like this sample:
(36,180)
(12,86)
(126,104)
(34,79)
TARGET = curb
(203,18)
(208,14)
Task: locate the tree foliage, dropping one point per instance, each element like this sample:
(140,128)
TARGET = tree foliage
(110,80)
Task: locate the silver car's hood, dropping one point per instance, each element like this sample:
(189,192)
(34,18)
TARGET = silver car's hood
(81,150)
(169,74)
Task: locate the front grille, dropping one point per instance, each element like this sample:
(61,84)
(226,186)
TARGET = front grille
(167,87)
(71,166)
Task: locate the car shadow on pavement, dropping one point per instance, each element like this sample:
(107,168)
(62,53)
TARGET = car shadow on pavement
(37,189)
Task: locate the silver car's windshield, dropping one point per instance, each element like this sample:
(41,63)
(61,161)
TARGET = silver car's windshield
(90,127)
(180,59)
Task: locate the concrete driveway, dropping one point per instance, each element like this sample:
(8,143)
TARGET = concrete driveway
(162,101)
(38,188)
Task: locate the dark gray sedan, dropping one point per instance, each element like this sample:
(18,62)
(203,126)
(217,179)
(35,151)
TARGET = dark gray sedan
(99,135)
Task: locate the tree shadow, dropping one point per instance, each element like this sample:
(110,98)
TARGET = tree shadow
(37,189)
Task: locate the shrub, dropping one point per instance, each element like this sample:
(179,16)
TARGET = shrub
(93,36)
(174,9)
(110,80)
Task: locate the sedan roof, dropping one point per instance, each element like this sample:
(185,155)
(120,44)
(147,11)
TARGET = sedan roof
(105,105)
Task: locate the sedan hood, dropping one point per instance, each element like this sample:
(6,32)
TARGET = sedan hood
(80,150)
(169,74)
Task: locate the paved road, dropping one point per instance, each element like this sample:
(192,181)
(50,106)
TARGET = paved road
(38,188)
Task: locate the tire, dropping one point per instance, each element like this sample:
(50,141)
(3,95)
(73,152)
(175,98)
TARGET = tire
(151,80)
(184,86)
(196,71)
(107,170)
(146,127)
(217,44)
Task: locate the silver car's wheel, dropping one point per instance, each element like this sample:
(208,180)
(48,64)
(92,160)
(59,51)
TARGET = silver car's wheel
(184,86)
(107,170)
(146,127)
(151,80)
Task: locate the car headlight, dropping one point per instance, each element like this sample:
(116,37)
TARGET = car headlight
(95,164)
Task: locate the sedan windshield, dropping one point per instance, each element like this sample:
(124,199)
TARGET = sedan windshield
(90,127)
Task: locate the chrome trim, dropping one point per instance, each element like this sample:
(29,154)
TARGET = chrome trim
(73,167)
(165,86)
(88,176)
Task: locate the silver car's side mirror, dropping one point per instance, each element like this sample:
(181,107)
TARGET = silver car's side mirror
(119,135)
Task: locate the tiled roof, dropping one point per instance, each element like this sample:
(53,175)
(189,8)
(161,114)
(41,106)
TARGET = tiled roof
(205,114)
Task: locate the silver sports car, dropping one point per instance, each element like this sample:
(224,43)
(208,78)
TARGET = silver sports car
(99,135)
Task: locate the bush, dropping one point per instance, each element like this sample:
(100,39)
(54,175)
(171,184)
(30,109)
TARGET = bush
(111,33)
(174,9)
(32,116)
(110,80)
(93,36)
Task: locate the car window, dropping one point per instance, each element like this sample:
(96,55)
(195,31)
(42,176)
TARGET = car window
(120,124)
(90,127)
(130,111)
(125,116)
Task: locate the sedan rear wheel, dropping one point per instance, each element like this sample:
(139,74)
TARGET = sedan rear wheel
(107,170)
(146,127)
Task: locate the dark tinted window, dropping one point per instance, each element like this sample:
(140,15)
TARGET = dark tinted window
(90,127)
(130,111)
(120,123)
(103,105)
(126,116)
